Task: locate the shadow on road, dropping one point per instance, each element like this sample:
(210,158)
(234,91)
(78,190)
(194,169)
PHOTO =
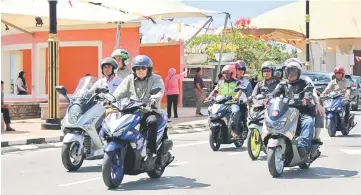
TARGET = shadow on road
(318,173)
(163,183)
(233,149)
(349,136)
(89,169)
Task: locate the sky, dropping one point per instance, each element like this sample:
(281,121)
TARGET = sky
(237,9)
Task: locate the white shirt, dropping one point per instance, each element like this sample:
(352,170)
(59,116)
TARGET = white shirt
(112,85)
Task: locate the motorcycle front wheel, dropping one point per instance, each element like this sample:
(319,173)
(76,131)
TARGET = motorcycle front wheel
(112,169)
(213,141)
(275,162)
(254,144)
(69,156)
(331,127)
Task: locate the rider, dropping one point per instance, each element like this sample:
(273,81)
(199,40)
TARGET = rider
(138,87)
(269,81)
(122,57)
(296,84)
(226,87)
(110,80)
(278,72)
(340,84)
(240,66)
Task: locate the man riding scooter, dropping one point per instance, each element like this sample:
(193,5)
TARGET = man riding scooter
(340,84)
(294,84)
(226,87)
(269,81)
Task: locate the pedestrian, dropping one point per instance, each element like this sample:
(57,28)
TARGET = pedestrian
(5,110)
(21,87)
(172,90)
(200,93)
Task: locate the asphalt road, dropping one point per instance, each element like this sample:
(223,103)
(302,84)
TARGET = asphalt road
(196,170)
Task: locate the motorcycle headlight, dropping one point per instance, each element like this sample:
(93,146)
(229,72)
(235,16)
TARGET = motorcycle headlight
(119,131)
(278,125)
(74,113)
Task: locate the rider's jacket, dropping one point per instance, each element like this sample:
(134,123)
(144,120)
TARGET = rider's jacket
(286,88)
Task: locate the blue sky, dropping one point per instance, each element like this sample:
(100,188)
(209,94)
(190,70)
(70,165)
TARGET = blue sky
(237,9)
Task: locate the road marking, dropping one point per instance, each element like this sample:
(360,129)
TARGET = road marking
(186,134)
(79,182)
(190,144)
(178,163)
(351,151)
(26,147)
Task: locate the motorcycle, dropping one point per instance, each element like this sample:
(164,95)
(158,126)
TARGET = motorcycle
(221,130)
(83,117)
(280,134)
(125,151)
(335,112)
(255,122)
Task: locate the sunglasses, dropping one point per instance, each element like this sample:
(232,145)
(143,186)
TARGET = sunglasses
(140,68)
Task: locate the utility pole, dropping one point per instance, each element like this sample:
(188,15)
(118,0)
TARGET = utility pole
(53,121)
(308,66)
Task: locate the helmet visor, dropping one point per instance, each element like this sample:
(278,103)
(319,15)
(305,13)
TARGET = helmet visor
(292,71)
(227,74)
(277,73)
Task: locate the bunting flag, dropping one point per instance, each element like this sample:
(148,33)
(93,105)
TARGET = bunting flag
(358,58)
(71,5)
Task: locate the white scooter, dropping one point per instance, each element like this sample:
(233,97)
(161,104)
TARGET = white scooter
(83,118)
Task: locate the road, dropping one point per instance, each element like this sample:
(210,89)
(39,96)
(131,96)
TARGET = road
(196,170)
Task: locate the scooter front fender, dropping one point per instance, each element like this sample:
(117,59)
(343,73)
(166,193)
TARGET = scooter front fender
(72,137)
(330,115)
(113,146)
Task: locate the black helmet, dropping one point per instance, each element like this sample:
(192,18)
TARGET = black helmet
(109,61)
(142,61)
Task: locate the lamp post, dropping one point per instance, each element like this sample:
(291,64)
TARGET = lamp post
(307,34)
(53,121)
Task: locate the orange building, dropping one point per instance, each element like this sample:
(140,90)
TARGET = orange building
(81,49)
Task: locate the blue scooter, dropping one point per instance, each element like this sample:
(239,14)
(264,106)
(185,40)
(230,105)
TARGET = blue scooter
(335,113)
(126,148)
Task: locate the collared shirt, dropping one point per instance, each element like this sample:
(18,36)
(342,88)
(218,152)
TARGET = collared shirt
(338,86)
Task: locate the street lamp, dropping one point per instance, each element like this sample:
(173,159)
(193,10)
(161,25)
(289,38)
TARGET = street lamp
(53,121)
(307,34)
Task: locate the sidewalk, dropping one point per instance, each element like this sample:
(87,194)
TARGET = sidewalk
(29,131)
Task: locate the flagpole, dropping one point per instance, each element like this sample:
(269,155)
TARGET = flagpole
(53,121)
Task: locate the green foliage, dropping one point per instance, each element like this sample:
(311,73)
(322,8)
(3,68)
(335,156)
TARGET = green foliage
(252,51)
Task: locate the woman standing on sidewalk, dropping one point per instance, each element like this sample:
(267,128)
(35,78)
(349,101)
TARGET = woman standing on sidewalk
(172,90)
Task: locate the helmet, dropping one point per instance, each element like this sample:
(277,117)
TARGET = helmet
(291,64)
(142,61)
(291,60)
(339,69)
(268,64)
(278,72)
(121,53)
(109,61)
(229,68)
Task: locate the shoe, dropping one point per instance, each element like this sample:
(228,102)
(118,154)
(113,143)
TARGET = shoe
(199,114)
(10,129)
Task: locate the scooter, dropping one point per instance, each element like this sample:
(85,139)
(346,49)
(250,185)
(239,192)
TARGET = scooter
(255,122)
(280,134)
(335,112)
(126,148)
(220,129)
(83,117)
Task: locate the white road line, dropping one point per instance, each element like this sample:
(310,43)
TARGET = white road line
(79,182)
(351,151)
(178,163)
(190,144)
(186,134)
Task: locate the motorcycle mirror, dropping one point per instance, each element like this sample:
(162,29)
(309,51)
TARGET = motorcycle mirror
(155,91)
(102,90)
(60,89)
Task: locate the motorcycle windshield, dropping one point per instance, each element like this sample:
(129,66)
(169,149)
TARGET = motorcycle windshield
(83,87)
(277,108)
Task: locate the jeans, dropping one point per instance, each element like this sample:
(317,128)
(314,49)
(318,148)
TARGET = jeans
(235,116)
(307,125)
(151,121)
